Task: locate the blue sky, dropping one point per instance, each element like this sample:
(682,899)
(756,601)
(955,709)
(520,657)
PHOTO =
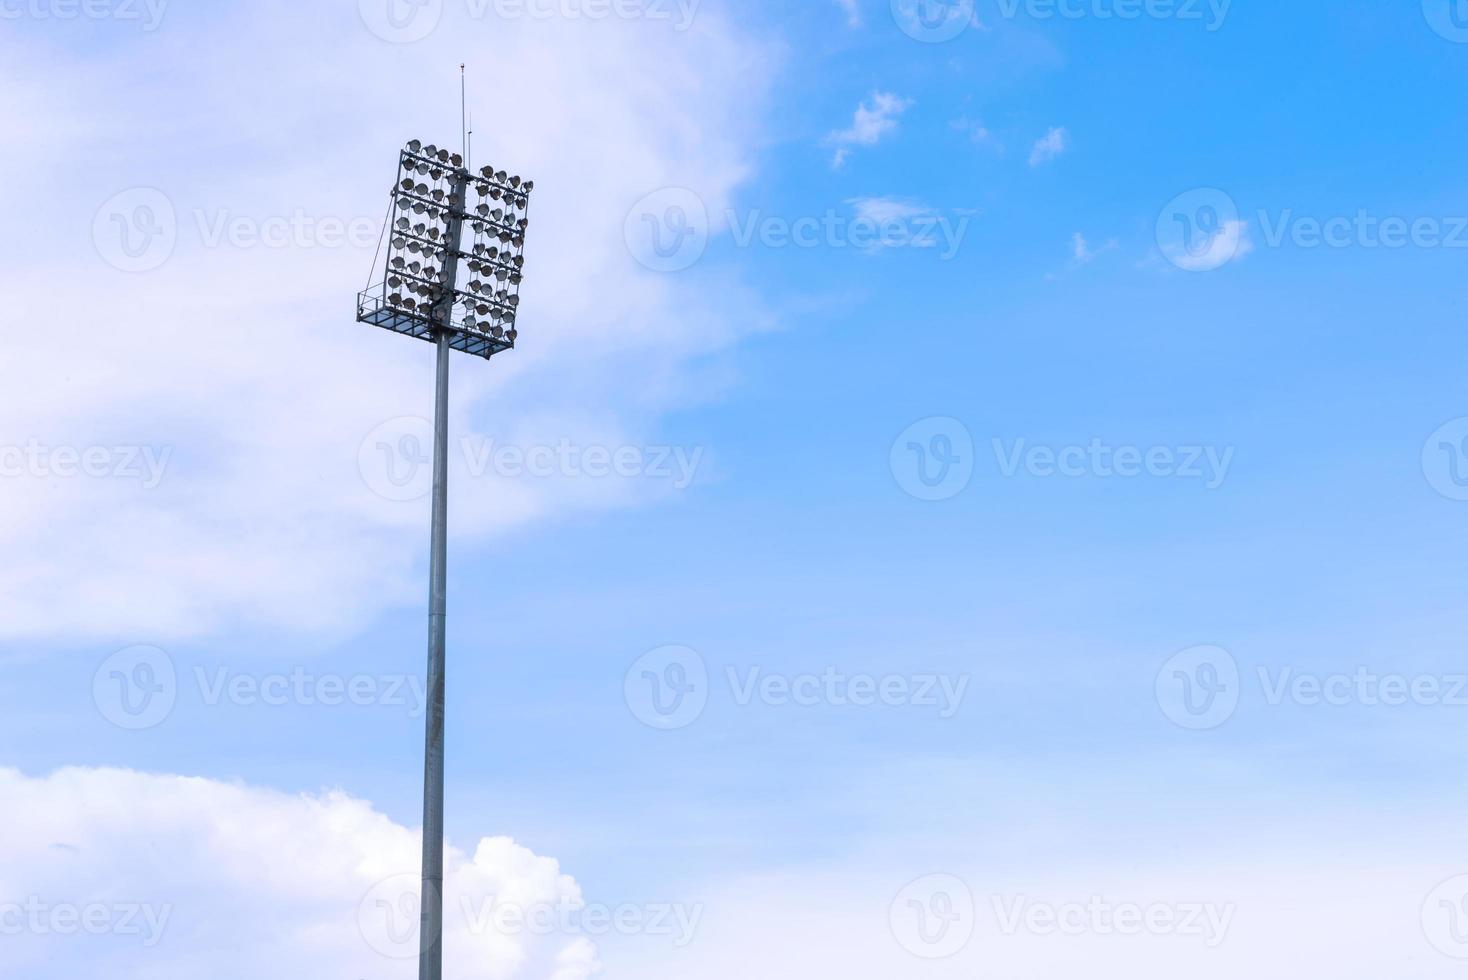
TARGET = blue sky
(1291,538)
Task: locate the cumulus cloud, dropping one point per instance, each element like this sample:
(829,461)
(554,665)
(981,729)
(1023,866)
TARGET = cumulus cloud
(237,358)
(1050,146)
(133,876)
(874,120)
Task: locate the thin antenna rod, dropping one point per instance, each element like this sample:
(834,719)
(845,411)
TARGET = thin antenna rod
(464,111)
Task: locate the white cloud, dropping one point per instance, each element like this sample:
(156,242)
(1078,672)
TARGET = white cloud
(853,12)
(244,360)
(1230,243)
(1050,146)
(974,129)
(1083,253)
(193,877)
(874,120)
(881,210)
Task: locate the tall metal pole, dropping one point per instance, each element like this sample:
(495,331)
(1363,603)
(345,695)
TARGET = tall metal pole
(430,955)
(430,952)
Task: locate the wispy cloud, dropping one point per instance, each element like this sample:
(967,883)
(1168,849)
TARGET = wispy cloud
(973,128)
(1050,146)
(853,12)
(874,120)
(1083,253)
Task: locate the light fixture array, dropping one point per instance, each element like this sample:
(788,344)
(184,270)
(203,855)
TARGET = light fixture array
(456,254)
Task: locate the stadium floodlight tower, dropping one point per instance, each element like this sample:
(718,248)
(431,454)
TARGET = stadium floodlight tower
(420,296)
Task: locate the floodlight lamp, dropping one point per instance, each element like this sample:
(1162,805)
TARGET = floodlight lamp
(414,146)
